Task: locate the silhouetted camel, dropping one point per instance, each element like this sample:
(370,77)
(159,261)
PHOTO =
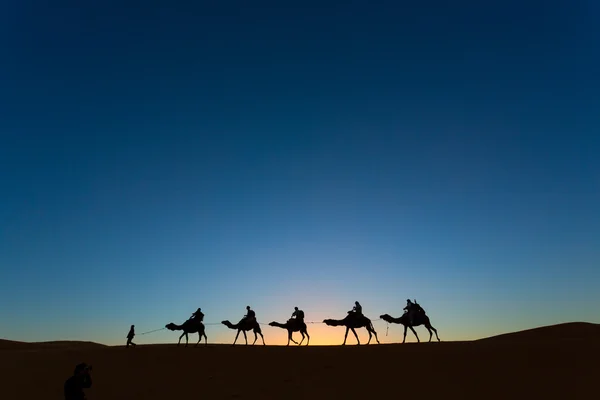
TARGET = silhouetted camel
(244,326)
(419,319)
(189,326)
(352,322)
(293,325)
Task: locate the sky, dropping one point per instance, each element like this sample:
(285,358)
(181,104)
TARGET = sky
(157,157)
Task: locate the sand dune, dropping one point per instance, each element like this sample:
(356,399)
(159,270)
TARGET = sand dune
(58,345)
(555,362)
(561,332)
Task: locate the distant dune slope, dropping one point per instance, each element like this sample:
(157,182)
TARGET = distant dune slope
(61,344)
(560,332)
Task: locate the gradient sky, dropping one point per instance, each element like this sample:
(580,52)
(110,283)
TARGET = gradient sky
(217,154)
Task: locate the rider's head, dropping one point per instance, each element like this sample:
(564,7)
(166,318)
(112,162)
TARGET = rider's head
(247,307)
(408,300)
(199,309)
(296,308)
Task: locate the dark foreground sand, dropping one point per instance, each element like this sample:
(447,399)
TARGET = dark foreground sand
(558,362)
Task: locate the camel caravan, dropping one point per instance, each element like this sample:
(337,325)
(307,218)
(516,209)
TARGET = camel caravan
(414,315)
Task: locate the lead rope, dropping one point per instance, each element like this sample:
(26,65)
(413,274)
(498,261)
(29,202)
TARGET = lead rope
(387,328)
(156,330)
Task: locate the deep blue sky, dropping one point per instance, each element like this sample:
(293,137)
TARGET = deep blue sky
(157,158)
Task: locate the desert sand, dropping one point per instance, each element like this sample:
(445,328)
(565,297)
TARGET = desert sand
(555,362)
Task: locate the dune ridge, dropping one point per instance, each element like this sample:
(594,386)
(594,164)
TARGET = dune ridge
(563,331)
(6,344)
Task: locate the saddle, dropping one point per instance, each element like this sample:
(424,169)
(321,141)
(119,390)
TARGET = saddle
(194,321)
(356,317)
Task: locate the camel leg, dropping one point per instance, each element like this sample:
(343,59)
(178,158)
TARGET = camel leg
(205,340)
(292,337)
(345,336)
(430,333)
(307,337)
(432,329)
(236,337)
(356,336)
(180,338)
(374,333)
(289,338)
(255,338)
(199,338)
(302,340)
(262,337)
(186,339)
(370,335)
(245,337)
(415,332)
(371,330)
(404,339)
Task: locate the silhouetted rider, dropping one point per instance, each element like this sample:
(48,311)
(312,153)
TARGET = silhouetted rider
(357,309)
(250,315)
(298,314)
(80,380)
(198,315)
(410,309)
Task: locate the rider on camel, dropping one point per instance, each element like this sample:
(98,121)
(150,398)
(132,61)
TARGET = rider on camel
(410,309)
(297,315)
(198,315)
(250,315)
(356,310)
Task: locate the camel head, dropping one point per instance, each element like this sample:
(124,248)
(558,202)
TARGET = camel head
(386,318)
(171,326)
(333,322)
(227,324)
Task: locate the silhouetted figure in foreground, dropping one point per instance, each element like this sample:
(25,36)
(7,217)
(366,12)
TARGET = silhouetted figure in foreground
(192,325)
(420,318)
(352,321)
(247,323)
(130,336)
(80,380)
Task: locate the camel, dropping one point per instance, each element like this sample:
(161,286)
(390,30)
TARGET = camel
(243,326)
(189,326)
(293,325)
(419,319)
(351,322)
